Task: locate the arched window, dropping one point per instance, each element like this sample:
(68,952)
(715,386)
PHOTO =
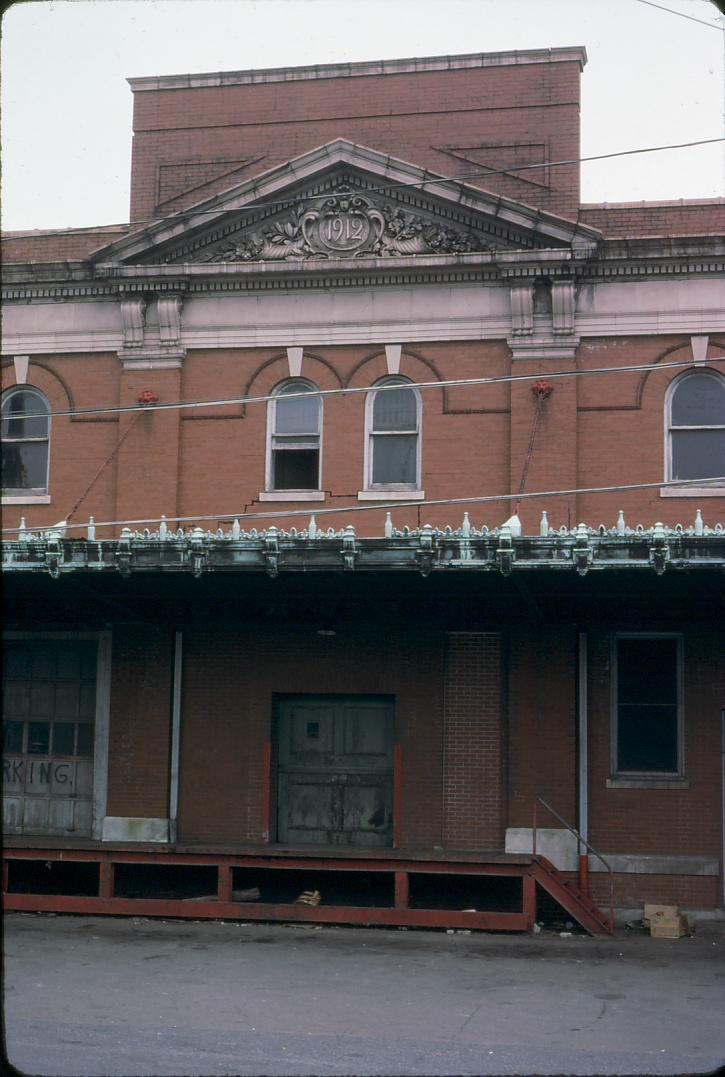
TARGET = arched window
(393,422)
(696,426)
(295,434)
(26,443)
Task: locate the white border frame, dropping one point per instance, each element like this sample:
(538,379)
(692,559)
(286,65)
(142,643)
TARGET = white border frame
(655,778)
(102,717)
(33,495)
(392,491)
(269,493)
(714,489)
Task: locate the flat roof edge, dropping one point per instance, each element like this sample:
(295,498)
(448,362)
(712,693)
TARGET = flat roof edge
(402,66)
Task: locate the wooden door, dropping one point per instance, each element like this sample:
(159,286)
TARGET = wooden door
(335,770)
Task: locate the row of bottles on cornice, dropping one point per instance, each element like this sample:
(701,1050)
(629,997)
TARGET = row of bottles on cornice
(511,528)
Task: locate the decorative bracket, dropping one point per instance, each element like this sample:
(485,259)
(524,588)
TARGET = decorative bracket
(522,309)
(53,557)
(659,553)
(424,557)
(123,553)
(271,552)
(197,555)
(349,548)
(583,552)
(505,553)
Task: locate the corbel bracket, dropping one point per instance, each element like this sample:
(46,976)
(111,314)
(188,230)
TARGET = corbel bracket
(659,552)
(505,553)
(271,552)
(424,556)
(583,554)
(349,548)
(197,553)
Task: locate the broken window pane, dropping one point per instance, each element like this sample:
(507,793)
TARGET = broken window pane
(38,738)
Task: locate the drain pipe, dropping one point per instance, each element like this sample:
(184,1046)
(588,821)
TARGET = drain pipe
(722,741)
(175,737)
(583,762)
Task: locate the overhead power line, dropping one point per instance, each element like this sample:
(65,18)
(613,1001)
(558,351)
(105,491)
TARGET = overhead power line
(282,514)
(692,18)
(185,214)
(447,383)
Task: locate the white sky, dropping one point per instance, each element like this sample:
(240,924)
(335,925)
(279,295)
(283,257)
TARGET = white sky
(652,79)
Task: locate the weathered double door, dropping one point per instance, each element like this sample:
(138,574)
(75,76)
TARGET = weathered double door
(335,770)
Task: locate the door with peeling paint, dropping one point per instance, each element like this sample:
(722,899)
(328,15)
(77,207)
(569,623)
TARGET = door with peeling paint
(335,770)
(49,707)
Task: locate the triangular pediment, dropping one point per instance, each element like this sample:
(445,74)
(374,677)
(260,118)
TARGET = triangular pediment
(340,202)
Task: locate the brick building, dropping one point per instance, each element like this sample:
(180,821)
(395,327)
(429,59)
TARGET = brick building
(283,612)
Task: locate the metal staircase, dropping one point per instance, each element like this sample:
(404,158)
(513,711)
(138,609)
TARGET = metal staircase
(572,897)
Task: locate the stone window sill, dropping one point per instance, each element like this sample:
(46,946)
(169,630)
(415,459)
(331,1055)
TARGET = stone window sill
(643,781)
(693,491)
(26,499)
(292,495)
(391,495)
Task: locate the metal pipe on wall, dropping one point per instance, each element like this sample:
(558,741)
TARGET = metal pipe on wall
(175,736)
(583,759)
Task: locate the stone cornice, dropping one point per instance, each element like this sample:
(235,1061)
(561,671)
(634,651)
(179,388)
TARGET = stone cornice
(572,54)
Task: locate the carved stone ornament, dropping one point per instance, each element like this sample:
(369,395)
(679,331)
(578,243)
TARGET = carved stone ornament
(345,224)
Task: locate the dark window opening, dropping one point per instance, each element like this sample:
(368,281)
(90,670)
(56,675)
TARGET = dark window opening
(647,705)
(295,469)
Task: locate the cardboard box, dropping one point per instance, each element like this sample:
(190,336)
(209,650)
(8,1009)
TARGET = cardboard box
(659,912)
(670,928)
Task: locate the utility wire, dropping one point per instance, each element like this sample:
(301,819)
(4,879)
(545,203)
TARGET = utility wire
(682,15)
(293,200)
(281,514)
(448,383)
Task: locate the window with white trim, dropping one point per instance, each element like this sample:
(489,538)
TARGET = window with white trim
(647,734)
(26,442)
(393,443)
(294,422)
(696,426)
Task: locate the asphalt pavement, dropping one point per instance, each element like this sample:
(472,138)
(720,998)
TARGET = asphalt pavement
(86,996)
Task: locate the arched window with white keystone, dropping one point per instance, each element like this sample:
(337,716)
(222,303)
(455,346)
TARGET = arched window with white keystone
(294,422)
(26,445)
(695,415)
(393,437)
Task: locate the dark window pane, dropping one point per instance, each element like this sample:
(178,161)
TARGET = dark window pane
(85,739)
(647,739)
(647,670)
(44,662)
(13,736)
(698,454)
(88,660)
(699,400)
(25,465)
(14,423)
(300,416)
(16,699)
(295,469)
(394,458)
(38,738)
(63,738)
(16,659)
(647,733)
(395,409)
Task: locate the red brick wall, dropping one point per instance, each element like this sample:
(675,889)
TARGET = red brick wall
(140,726)
(229,684)
(473,785)
(475,441)
(52,246)
(632,891)
(542,721)
(415,116)
(626,220)
(678,821)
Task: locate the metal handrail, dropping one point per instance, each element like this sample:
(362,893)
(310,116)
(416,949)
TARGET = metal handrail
(590,848)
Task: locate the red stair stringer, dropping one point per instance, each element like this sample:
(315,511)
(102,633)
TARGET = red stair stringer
(566,892)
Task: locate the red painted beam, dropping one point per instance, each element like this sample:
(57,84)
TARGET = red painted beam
(402,890)
(222,910)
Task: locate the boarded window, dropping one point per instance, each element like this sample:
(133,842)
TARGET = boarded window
(647,705)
